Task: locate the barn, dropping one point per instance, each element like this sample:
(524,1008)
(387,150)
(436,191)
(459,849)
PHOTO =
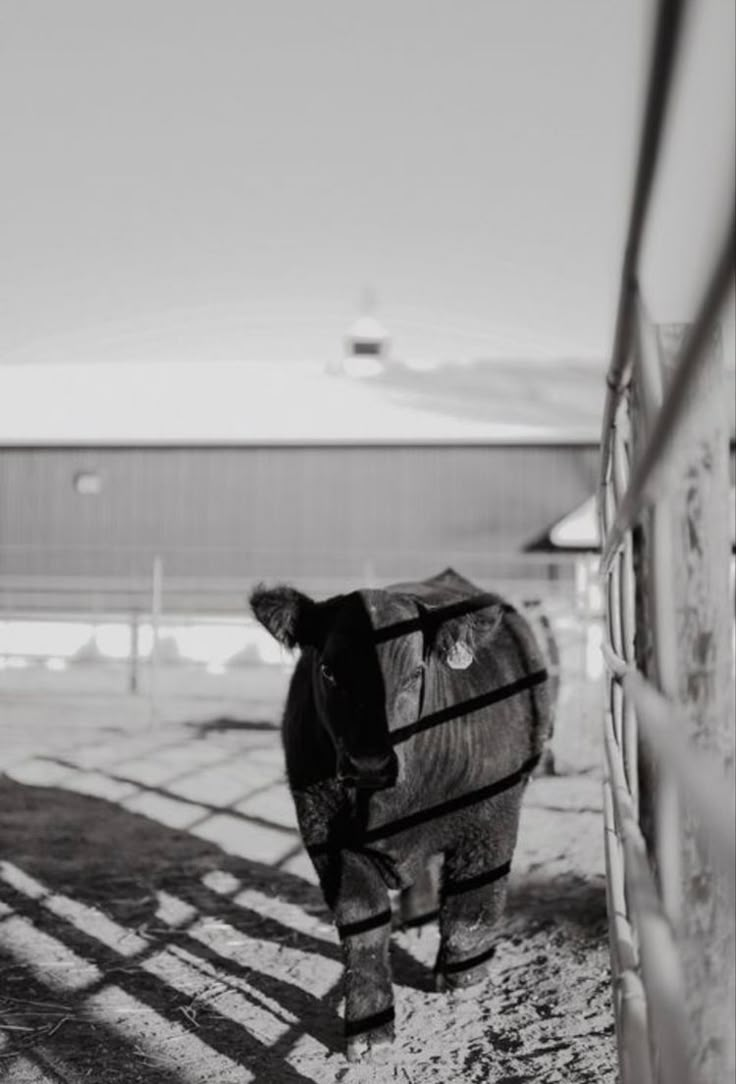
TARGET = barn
(237,473)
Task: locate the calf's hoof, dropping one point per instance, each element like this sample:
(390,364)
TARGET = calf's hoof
(463,984)
(373,1047)
(458,993)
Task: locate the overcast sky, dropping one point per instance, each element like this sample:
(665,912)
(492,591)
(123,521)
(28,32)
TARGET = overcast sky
(199,179)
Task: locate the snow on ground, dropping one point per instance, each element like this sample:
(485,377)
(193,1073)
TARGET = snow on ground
(159,923)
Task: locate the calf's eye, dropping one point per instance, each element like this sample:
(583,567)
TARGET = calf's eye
(327,674)
(413,677)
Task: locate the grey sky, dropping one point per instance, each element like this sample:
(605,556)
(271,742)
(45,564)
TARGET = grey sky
(220,178)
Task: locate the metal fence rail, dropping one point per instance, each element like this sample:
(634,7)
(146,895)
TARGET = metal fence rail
(69,635)
(34,593)
(646,723)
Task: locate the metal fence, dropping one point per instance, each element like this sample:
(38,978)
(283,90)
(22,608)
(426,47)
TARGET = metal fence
(668,792)
(144,609)
(163,647)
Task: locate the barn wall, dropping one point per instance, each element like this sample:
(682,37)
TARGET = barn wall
(298,512)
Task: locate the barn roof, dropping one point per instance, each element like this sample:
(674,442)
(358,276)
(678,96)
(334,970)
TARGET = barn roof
(139,403)
(302,403)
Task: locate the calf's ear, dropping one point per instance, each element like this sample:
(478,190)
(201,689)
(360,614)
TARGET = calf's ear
(289,616)
(459,642)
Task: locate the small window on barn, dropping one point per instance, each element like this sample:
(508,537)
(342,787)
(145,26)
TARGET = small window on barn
(88,483)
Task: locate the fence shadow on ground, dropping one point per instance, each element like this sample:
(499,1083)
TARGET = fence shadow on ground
(98,855)
(225,723)
(135,865)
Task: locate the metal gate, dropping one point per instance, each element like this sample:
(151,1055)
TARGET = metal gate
(668,792)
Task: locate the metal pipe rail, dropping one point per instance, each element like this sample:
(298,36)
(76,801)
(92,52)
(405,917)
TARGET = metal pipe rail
(664,54)
(642,717)
(702,785)
(674,406)
(657,962)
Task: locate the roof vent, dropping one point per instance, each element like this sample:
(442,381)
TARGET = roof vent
(366,343)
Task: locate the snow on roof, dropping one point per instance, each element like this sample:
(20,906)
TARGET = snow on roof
(226,402)
(579,529)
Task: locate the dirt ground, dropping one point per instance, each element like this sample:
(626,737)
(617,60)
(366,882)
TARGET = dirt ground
(159,923)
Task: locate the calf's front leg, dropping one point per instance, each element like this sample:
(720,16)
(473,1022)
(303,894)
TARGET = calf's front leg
(358,897)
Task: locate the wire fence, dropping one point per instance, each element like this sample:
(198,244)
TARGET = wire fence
(669,789)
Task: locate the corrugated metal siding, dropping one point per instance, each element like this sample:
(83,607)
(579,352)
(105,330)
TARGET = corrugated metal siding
(280,511)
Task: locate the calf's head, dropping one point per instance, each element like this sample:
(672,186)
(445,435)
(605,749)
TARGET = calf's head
(368,651)
(363,686)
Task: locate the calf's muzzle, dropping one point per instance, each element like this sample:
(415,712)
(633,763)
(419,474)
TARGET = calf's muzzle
(368,772)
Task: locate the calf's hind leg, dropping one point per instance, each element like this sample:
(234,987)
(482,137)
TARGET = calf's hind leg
(467,935)
(419,903)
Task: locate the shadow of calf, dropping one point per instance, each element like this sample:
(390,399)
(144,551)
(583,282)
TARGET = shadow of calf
(571,903)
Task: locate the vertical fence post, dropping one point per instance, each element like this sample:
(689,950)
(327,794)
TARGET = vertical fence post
(659,813)
(134,652)
(156,593)
(644,401)
(700,530)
